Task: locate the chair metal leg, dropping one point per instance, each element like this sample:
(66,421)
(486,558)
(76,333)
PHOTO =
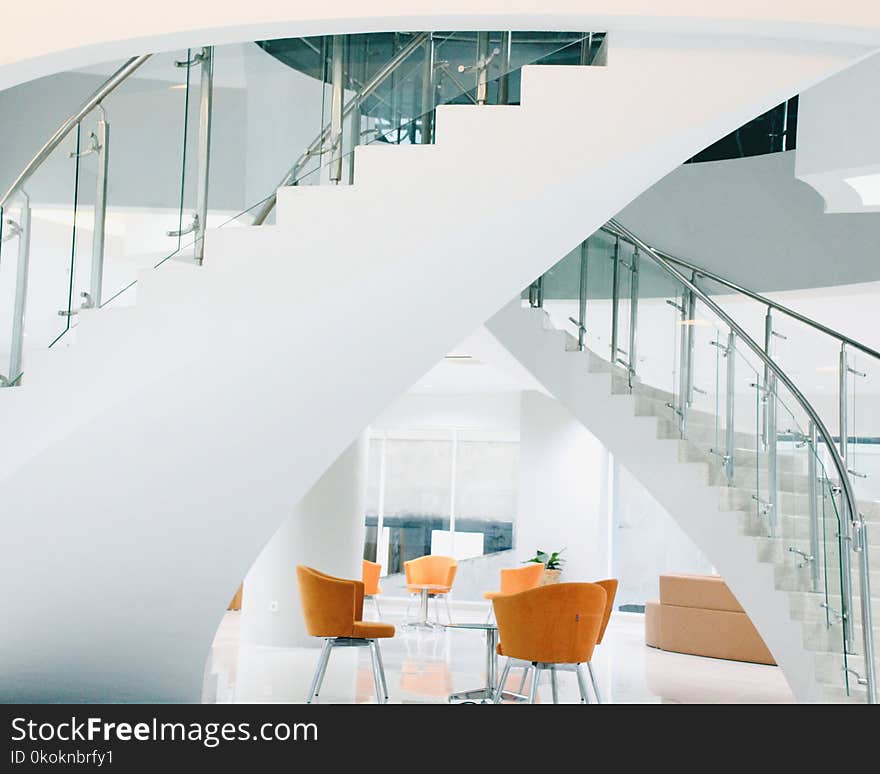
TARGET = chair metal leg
(595,682)
(448,611)
(378,609)
(320,669)
(582,684)
(377,681)
(375,647)
(533,688)
(522,682)
(554,685)
(500,689)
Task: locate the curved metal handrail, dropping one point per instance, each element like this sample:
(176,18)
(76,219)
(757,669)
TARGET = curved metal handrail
(856,521)
(71,121)
(614,230)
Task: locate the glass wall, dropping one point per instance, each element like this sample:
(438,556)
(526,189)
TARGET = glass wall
(446,491)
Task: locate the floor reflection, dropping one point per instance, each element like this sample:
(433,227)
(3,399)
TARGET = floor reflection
(425,666)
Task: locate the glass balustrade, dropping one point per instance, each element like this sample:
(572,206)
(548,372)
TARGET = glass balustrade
(674,337)
(199,138)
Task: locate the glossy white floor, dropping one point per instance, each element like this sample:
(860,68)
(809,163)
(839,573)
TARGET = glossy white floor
(425,666)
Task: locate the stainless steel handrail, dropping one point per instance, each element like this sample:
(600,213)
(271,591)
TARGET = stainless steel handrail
(71,121)
(388,69)
(700,271)
(855,519)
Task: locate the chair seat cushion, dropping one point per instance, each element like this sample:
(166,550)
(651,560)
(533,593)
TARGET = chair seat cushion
(491,594)
(369,630)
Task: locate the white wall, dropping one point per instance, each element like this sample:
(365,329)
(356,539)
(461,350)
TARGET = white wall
(647,541)
(499,412)
(29,47)
(325,531)
(752,221)
(563,495)
(838,124)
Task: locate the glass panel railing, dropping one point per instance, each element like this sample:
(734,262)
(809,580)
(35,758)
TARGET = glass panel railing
(601,253)
(145,160)
(37,258)
(447,68)
(698,370)
(863,424)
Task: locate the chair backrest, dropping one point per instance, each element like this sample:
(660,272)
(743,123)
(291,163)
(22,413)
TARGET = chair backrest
(330,605)
(516,579)
(556,624)
(610,587)
(370,577)
(436,570)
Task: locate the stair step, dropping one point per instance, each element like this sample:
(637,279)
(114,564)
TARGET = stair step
(819,636)
(806,605)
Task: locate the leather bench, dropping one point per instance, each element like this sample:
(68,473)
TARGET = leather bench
(698,615)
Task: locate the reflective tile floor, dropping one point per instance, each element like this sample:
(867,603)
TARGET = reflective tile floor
(425,666)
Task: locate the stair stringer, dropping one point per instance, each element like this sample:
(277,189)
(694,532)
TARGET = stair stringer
(682,488)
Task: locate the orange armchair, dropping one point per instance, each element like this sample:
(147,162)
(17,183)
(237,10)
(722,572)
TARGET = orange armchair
(516,579)
(550,627)
(435,571)
(333,609)
(610,587)
(370,572)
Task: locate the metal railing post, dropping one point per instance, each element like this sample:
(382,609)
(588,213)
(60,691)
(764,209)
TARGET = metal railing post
(482,95)
(768,343)
(684,362)
(730,415)
(356,115)
(504,79)
(867,612)
(582,297)
(206,109)
(846,545)
(19,303)
(336,100)
(96,280)
(428,92)
(691,341)
(842,383)
(847,518)
(586,53)
(772,449)
(615,301)
(812,472)
(633,315)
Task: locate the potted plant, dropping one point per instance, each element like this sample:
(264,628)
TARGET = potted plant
(552,565)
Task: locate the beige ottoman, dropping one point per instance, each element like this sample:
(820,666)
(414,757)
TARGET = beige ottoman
(698,615)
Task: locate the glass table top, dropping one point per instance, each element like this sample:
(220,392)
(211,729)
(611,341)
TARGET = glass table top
(484,626)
